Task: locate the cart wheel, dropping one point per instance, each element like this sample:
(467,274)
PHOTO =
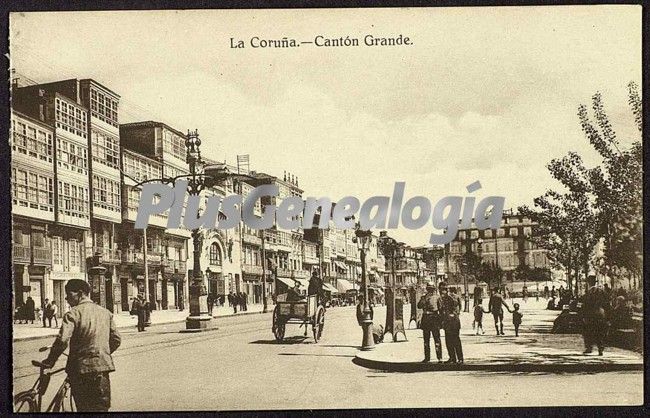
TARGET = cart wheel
(278,328)
(319,323)
(279,332)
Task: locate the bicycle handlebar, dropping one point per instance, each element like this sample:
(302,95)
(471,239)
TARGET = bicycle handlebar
(37,363)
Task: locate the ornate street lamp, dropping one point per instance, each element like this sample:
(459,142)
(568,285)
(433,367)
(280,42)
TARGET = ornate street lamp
(362,239)
(201,176)
(211,175)
(394,320)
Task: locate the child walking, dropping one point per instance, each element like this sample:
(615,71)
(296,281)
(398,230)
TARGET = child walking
(478,316)
(516,318)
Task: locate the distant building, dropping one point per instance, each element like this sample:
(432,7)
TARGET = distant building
(508,247)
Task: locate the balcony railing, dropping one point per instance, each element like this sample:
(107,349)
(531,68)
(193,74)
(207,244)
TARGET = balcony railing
(155,258)
(284,272)
(250,269)
(109,255)
(252,239)
(22,253)
(42,255)
(301,274)
(132,256)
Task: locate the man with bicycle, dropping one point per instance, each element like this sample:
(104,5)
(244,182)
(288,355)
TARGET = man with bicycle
(89,331)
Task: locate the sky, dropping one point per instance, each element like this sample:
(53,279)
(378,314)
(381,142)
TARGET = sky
(488,94)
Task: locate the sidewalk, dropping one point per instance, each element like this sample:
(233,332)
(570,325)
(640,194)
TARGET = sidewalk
(535,350)
(124,320)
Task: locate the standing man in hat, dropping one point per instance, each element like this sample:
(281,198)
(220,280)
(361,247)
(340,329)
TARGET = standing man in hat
(594,316)
(430,304)
(495,306)
(89,331)
(450,311)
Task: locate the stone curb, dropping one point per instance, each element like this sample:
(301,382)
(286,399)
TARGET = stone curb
(415,367)
(167,322)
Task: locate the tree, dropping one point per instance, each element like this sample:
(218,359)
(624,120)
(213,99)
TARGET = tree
(617,186)
(600,204)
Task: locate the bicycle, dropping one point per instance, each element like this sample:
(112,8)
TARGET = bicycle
(31,400)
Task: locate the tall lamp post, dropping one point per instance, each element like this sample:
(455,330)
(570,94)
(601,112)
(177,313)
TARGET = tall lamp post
(200,177)
(362,239)
(199,318)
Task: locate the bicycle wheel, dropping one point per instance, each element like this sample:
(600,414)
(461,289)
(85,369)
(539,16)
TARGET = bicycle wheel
(62,401)
(25,403)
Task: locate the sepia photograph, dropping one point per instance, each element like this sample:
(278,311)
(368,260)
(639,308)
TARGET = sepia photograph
(326,209)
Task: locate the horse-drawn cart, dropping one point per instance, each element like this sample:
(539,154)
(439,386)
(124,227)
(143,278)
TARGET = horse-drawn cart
(304,313)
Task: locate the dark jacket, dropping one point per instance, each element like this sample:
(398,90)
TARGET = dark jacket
(30,307)
(89,331)
(496,304)
(449,311)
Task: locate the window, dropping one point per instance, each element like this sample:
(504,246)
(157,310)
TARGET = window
(71,118)
(105,149)
(103,107)
(74,253)
(215,255)
(71,156)
(173,144)
(488,233)
(501,232)
(133,199)
(527,231)
(32,190)
(474,234)
(514,232)
(461,235)
(106,193)
(139,168)
(73,200)
(57,250)
(35,142)
(38,239)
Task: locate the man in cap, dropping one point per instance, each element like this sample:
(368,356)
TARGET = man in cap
(449,311)
(429,303)
(89,331)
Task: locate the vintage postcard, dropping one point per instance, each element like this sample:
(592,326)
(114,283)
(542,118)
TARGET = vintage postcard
(286,209)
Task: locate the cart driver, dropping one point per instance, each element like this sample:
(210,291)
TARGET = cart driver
(315,287)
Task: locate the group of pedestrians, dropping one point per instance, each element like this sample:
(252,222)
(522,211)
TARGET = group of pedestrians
(238,300)
(28,313)
(50,312)
(142,309)
(441,310)
(495,307)
(25,312)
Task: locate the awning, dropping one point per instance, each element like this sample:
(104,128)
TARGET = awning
(329,288)
(288,282)
(343,285)
(358,270)
(341,265)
